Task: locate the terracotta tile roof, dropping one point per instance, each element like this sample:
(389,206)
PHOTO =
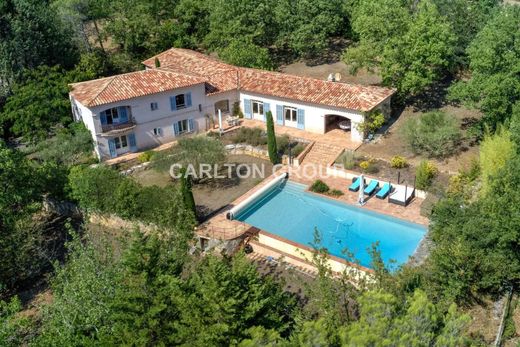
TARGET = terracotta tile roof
(182,68)
(222,77)
(336,94)
(130,85)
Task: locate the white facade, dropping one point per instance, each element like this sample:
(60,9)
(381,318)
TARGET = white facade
(314,115)
(148,126)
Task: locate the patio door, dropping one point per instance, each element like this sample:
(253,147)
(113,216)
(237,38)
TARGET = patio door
(258,110)
(290,117)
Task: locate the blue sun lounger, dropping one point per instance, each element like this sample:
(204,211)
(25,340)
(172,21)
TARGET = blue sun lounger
(371,188)
(384,191)
(356,182)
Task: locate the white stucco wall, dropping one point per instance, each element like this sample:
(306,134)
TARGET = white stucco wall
(83,114)
(146,120)
(314,114)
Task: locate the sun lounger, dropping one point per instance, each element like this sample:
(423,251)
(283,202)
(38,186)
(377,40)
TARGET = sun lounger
(402,195)
(356,182)
(383,192)
(371,188)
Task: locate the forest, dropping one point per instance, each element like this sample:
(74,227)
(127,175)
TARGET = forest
(148,289)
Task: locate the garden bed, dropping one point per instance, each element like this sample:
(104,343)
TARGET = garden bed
(383,169)
(392,142)
(257,138)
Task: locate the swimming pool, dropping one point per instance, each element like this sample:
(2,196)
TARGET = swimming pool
(291,213)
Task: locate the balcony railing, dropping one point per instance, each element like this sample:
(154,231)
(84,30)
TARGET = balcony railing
(105,128)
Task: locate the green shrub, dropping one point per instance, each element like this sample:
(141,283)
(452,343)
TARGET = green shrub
(319,187)
(145,156)
(348,159)
(434,134)
(237,112)
(424,174)
(335,192)
(372,123)
(192,151)
(70,146)
(282,143)
(298,149)
(495,151)
(364,165)
(126,198)
(398,162)
(104,190)
(369,166)
(251,136)
(213,134)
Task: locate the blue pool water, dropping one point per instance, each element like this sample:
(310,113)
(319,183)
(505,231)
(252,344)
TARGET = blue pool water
(290,212)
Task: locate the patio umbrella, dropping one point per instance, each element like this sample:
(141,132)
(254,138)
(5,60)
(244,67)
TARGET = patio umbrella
(361,199)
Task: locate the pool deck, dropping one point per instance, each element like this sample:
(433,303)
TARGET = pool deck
(219,227)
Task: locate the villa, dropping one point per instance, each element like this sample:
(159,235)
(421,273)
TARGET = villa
(181,91)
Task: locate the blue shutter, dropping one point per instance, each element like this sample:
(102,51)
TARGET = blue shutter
(300,117)
(247,108)
(176,128)
(191,126)
(131,141)
(173,105)
(279,114)
(188,99)
(123,114)
(112,148)
(267,108)
(103,117)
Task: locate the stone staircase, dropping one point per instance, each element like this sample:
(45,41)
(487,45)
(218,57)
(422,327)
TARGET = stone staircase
(322,154)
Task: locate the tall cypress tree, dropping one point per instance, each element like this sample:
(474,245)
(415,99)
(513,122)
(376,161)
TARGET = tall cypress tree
(187,194)
(271,139)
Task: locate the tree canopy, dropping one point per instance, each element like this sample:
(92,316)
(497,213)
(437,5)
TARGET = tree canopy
(32,35)
(494,61)
(412,47)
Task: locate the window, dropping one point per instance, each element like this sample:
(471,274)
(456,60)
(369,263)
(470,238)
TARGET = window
(258,107)
(154,106)
(180,101)
(290,114)
(112,115)
(222,105)
(183,126)
(121,142)
(157,131)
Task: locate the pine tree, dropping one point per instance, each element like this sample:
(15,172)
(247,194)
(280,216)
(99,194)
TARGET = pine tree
(271,139)
(157,62)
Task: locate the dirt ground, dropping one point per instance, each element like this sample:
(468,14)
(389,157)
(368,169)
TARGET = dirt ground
(212,195)
(391,143)
(216,194)
(322,72)
(485,319)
